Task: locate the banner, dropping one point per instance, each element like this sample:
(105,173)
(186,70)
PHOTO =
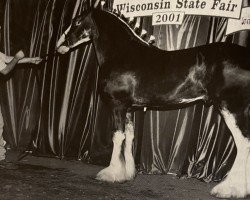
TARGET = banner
(243,23)
(173,11)
(167,18)
(220,8)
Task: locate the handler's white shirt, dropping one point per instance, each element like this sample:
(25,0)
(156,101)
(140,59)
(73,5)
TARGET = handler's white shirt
(2,64)
(2,142)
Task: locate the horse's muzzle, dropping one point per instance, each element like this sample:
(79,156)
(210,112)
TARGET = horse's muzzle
(63,49)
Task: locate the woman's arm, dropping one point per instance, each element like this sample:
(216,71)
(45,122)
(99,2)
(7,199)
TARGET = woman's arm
(35,60)
(22,59)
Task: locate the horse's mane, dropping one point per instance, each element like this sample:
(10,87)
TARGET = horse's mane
(118,20)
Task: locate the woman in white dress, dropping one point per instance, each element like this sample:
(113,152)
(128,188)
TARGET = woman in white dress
(7,64)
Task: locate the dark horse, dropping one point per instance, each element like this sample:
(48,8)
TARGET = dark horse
(134,74)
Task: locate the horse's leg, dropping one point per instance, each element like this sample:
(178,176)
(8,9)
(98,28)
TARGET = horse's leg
(248,174)
(116,172)
(129,159)
(248,157)
(235,184)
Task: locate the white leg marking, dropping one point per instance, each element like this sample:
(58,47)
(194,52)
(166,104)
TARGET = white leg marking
(248,174)
(115,172)
(235,184)
(129,159)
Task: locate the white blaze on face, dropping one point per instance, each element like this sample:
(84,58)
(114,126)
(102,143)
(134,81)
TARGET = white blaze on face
(62,49)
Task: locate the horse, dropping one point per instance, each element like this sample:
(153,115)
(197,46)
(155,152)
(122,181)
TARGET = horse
(134,74)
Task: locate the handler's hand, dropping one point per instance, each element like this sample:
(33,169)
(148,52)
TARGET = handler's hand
(36,60)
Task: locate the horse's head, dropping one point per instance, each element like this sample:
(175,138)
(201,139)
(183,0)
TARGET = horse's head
(80,31)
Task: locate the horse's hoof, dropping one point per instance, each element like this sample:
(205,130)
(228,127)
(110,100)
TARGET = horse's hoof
(130,168)
(248,183)
(248,190)
(224,190)
(112,174)
(130,174)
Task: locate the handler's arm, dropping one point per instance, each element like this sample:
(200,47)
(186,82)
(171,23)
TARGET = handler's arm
(35,60)
(21,58)
(8,67)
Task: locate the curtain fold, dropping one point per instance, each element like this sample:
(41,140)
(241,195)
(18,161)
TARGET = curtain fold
(19,101)
(54,108)
(56,101)
(68,92)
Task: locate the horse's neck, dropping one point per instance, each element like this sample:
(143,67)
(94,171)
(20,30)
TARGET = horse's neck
(113,40)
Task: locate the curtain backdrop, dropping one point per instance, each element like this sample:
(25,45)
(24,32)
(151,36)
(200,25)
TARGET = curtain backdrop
(54,110)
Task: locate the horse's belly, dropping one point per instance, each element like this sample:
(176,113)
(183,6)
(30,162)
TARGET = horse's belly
(181,93)
(170,98)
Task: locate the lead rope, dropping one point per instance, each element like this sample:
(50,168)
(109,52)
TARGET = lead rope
(45,56)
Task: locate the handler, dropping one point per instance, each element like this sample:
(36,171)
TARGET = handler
(7,63)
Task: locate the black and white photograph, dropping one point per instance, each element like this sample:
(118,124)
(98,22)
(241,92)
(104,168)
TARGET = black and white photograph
(124,99)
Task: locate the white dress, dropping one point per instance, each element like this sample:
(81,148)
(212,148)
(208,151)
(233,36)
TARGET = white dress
(2,141)
(2,64)
(3,60)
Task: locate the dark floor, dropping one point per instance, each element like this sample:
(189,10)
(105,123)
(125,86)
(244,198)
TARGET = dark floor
(46,178)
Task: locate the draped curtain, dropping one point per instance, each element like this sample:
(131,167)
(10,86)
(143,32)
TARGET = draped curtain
(53,109)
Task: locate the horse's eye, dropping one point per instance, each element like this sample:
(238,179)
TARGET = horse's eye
(78,23)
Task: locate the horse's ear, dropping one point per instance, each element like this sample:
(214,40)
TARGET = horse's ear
(103,4)
(95,4)
(99,4)
(88,4)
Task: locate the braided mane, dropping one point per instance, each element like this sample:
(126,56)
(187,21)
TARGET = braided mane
(134,25)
